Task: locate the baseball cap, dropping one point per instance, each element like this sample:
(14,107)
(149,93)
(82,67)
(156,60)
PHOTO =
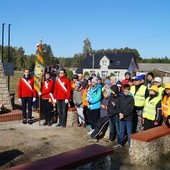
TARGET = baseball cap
(158,79)
(94,80)
(154,88)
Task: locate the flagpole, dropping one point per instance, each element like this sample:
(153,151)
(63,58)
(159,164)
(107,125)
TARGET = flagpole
(40,95)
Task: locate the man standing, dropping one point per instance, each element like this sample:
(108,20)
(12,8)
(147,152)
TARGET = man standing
(26,95)
(62,92)
(47,106)
(140,93)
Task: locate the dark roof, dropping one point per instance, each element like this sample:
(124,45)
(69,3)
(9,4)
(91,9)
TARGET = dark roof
(117,60)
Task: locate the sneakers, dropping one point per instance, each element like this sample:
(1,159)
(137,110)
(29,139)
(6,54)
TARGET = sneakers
(45,123)
(24,121)
(30,122)
(117,146)
(89,133)
(58,125)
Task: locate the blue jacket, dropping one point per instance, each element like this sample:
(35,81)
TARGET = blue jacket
(94,96)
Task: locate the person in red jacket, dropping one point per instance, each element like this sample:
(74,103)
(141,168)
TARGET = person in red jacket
(47,96)
(62,91)
(26,95)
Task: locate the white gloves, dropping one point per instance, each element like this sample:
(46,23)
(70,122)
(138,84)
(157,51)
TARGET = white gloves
(34,99)
(66,101)
(55,101)
(19,99)
(39,93)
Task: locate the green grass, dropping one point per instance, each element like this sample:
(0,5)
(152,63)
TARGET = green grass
(14,80)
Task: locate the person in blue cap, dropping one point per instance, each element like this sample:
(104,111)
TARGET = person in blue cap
(140,93)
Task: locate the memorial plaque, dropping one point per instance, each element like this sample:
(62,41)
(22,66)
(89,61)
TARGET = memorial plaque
(8,68)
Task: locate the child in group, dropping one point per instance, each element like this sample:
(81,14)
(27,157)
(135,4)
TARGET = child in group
(113,111)
(125,116)
(78,102)
(103,122)
(152,109)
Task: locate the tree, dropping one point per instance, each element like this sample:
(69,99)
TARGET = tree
(87,47)
(86,74)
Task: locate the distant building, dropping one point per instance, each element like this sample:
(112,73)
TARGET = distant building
(161,69)
(103,64)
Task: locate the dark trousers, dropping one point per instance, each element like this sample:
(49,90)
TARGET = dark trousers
(137,120)
(148,124)
(47,108)
(114,128)
(27,101)
(95,115)
(101,127)
(62,112)
(86,115)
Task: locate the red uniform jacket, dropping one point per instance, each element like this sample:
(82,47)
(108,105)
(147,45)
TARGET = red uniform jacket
(47,88)
(26,88)
(62,89)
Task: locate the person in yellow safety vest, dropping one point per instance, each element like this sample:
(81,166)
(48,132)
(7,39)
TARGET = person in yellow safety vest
(166,104)
(157,82)
(140,93)
(152,109)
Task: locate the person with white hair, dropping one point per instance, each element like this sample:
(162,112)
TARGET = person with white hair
(113,80)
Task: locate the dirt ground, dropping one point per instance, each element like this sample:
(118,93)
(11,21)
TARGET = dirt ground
(21,143)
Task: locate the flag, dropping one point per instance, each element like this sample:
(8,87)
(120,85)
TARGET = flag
(39,69)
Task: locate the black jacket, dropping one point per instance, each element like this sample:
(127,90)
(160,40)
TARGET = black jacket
(127,106)
(113,107)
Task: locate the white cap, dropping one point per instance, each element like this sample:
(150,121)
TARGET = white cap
(94,80)
(158,79)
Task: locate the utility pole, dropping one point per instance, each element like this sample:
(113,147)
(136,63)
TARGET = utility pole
(9,58)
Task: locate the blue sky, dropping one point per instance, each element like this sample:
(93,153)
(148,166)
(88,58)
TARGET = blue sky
(65,24)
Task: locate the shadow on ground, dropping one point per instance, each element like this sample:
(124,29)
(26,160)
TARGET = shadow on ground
(8,156)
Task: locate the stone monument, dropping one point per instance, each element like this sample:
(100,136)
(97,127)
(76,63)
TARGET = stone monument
(5,98)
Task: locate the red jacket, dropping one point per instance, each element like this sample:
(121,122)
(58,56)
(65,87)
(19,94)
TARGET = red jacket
(47,88)
(62,92)
(26,88)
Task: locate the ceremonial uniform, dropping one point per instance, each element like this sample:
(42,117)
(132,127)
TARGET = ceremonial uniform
(62,91)
(26,93)
(47,97)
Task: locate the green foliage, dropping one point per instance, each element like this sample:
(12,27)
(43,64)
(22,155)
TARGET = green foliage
(156,60)
(87,47)
(21,61)
(69,74)
(112,74)
(86,74)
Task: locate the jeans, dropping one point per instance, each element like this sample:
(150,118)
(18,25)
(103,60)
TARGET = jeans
(25,101)
(62,112)
(114,128)
(80,115)
(125,128)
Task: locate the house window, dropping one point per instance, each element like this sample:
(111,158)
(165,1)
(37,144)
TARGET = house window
(104,63)
(104,73)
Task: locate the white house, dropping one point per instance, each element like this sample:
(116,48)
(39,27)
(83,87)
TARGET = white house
(103,64)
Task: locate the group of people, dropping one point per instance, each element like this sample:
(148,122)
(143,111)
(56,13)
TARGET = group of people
(128,106)
(54,92)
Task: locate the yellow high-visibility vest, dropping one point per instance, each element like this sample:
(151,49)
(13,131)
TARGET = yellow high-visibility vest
(166,106)
(149,110)
(161,89)
(139,96)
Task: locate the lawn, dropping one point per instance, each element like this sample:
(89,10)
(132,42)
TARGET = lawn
(14,82)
